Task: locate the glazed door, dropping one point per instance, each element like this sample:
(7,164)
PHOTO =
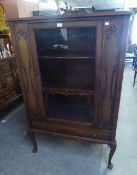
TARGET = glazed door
(67,56)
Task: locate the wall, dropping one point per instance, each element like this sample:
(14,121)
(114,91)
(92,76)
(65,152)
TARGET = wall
(26,8)
(11,9)
(18,8)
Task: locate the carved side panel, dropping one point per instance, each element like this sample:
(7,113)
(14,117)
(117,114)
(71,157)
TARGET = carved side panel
(110,59)
(29,78)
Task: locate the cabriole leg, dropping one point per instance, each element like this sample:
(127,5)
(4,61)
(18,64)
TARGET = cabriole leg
(33,139)
(113,146)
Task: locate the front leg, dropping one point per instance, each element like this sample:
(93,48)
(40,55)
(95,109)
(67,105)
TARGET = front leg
(33,139)
(113,146)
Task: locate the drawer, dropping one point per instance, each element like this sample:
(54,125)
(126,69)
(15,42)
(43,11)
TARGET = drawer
(76,131)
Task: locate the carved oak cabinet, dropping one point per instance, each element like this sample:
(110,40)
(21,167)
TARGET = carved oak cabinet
(71,70)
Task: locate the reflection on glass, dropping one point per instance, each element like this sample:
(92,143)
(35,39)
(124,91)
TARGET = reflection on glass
(67,57)
(66,42)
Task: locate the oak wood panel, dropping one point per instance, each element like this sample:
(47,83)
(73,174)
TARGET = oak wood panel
(67,136)
(70,17)
(110,60)
(120,74)
(28,74)
(72,130)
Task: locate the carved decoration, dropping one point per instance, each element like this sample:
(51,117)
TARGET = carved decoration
(112,38)
(21,33)
(29,71)
(68,92)
(112,30)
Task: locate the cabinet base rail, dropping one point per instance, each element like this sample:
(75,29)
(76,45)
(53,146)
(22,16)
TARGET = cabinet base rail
(112,144)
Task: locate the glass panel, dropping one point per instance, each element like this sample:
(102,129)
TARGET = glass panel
(73,108)
(67,57)
(78,74)
(66,42)
(67,65)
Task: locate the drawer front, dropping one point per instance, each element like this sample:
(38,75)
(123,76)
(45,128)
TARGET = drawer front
(75,131)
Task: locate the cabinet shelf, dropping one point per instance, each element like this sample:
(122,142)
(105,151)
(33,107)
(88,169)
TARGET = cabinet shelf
(68,91)
(68,57)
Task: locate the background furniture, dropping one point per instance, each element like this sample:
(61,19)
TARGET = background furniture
(71,70)
(130,56)
(7,43)
(135,65)
(135,74)
(9,83)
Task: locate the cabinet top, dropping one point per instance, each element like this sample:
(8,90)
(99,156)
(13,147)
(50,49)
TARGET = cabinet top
(98,14)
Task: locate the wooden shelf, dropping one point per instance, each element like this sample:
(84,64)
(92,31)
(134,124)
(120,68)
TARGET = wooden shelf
(68,91)
(67,57)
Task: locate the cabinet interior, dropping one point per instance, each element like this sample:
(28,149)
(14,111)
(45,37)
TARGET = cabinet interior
(66,59)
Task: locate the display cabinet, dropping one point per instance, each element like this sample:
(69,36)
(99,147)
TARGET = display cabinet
(71,70)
